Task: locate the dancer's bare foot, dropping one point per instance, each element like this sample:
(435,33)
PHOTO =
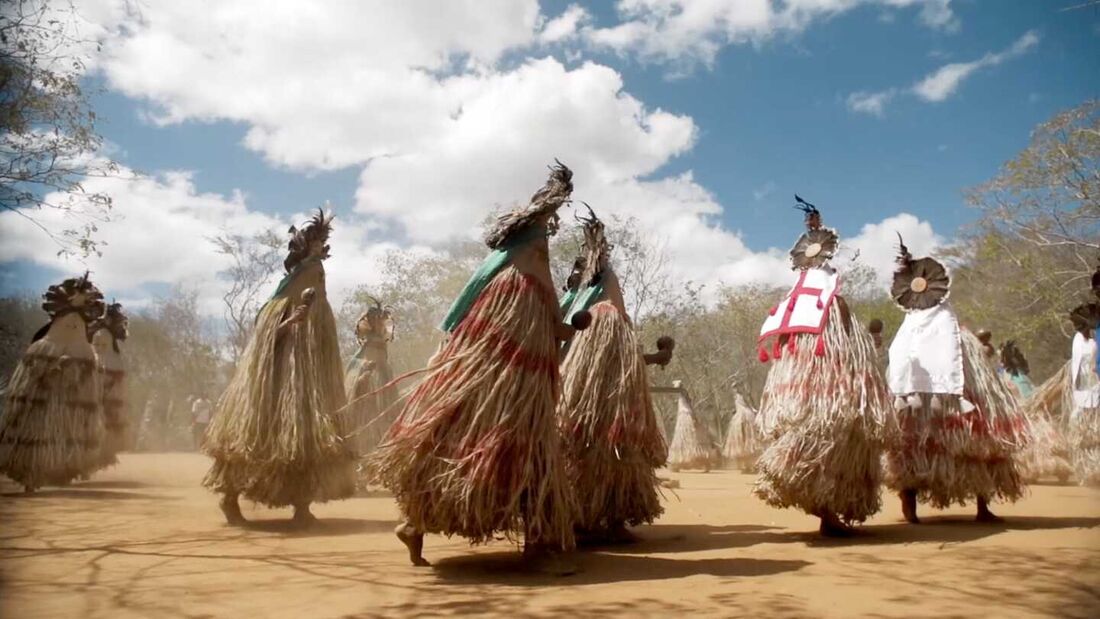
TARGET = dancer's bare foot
(414,541)
(984,515)
(549,562)
(831,526)
(232,510)
(304,518)
(617,533)
(909,506)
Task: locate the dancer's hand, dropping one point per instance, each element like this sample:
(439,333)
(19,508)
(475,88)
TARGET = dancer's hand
(581,320)
(297,316)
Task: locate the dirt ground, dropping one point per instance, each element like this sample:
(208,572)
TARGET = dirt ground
(145,540)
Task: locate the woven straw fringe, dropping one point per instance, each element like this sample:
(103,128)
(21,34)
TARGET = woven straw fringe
(692,446)
(1054,400)
(1084,430)
(742,446)
(612,443)
(51,429)
(476,449)
(951,457)
(115,415)
(822,418)
(273,436)
(1048,455)
(373,412)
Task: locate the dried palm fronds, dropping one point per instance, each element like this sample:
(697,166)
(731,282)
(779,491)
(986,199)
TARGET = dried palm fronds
(275,435)
(51,428)
(476,450)
(612,441)
(113,376)
(951,452)
(742,446)
(692,446)
(822,420)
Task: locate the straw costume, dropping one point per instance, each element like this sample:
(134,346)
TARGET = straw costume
(692,446)
(277,434)
(367,376)
(957,427)
(824,401)
(612,443)
(742,447)
(51,428)
(1084,421)
(109,331)
(476,451)
(1047,454)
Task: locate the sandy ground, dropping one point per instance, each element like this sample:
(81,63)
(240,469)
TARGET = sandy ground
(144,540)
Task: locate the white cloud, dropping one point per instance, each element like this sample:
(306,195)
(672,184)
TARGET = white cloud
(439,105)
(938,14)
(873,103)
(565,26)
(159,234)
(161,225)
(943,82)
(764,191)
(877,243)
(686,32)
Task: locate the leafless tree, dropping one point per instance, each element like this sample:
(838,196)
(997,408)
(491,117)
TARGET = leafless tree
(254,262)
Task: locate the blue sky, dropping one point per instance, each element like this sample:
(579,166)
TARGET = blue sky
(768,115)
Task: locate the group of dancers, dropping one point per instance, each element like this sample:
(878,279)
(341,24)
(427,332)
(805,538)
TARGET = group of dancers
(534,419)
(64,414)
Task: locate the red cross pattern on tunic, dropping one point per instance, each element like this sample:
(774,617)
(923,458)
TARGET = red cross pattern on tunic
(805,310)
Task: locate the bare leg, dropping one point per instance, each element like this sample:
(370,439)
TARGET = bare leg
(302,516)
(909,506)
(831,526)
(984,515)
(414,541)
(232,510)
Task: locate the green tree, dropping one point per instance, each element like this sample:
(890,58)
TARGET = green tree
(1028,260)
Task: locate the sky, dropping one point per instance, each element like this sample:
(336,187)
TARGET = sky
(415,119)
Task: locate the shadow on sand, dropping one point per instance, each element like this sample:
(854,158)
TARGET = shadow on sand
(934,529)
(323,527)
(111,485)
(509,568)
(82,492)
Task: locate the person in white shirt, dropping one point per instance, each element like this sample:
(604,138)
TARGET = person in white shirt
(200,419)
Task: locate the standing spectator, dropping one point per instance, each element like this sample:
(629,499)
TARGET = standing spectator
(200,418)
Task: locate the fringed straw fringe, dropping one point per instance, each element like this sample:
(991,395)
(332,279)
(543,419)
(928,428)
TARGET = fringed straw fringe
(275,436)
(51,429)
(370,408)
(476,450)
(742,446)
(612,443)
(822,418)
(1085,445)
(1083,429)
(692,446)
(115,415)
(1048,455)
(951,457)
(1054,398)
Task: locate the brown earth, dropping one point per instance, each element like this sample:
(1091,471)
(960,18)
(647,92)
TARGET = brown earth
(144,540)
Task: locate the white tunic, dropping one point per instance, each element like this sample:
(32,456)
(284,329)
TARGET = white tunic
(926,354)
(1086,385)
